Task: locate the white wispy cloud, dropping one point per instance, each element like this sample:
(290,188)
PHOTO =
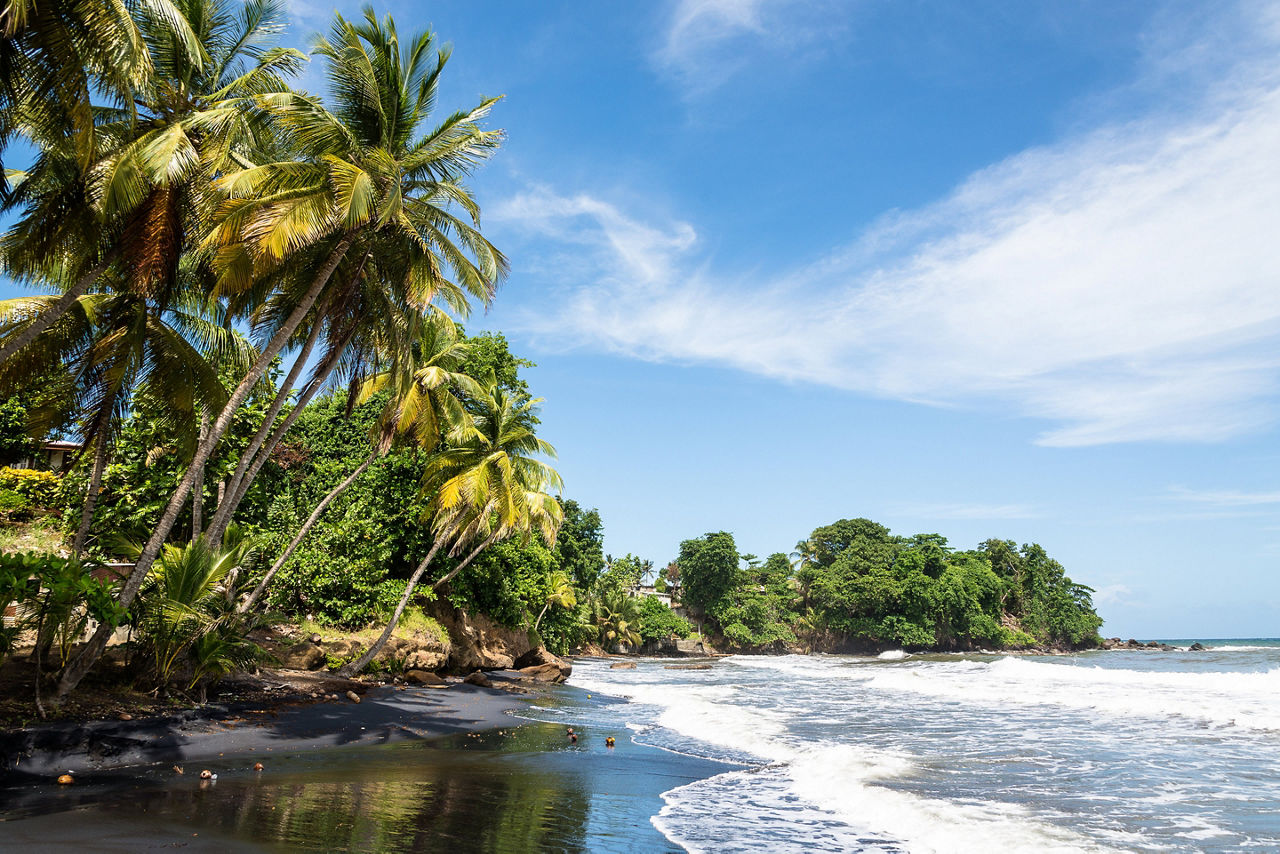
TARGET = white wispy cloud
(1111,594)
(1224,497)
(705,42)
(1120,283)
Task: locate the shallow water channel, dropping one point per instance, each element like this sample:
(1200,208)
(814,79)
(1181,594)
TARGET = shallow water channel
(525,788)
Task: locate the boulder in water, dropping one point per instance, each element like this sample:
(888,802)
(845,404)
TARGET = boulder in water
(541,657)
(544,673)
(1197,646)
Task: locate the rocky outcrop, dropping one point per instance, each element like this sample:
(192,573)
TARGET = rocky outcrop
(542,666)
(478,678)
(623,665)
(479,643)
(1116,643)
(303,656)
(543,660)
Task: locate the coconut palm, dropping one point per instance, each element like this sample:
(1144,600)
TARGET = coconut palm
(365,329)
(489,487)
(420,411)
(147,194)
(560,593)
(56,54)
(617,617)
(368,180)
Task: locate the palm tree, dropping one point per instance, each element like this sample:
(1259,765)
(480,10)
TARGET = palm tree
(183,607)
(366,328)
(560,593)
(488,487)
(805,563)
(56,54)
(367,180)
(617,615)
(421,410)
(114,345)
(146,195)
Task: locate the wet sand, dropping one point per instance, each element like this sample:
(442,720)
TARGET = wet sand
(385,714)
(412,770)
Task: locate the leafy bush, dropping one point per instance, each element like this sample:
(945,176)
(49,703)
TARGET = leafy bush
(58,596)
(184,611)
(39,487)
(13,505)
(658,622)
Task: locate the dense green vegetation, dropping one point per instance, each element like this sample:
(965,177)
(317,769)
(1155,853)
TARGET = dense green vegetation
(854,585)
(244,307)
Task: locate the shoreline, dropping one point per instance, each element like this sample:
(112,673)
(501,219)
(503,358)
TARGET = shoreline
(385,714)
(414,768)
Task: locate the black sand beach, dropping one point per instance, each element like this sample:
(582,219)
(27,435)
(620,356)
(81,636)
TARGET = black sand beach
(414,769)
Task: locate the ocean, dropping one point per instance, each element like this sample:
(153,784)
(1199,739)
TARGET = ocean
(1100,751)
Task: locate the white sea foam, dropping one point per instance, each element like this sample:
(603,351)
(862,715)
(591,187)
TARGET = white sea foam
(1242,700)
(892,655)
(841,780)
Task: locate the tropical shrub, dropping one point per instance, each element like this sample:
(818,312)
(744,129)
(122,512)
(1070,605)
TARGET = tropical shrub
(13,505)
(658,622)
(57,596)
(187,614)
(38,487)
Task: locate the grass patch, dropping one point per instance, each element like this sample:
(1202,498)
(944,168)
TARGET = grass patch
(43,534)
(412,622)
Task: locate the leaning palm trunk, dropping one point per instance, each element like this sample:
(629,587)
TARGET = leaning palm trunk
(91,496)
(302,533)
(82,663)
(197,491)
(222,516)
(363,661)
(46,318)
(100,430)
(231,501)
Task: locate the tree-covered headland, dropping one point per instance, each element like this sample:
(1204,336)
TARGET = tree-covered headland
(854,586)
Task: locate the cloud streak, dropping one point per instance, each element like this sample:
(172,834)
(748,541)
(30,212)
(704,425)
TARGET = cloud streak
(1225,497)
(703,42)
(1120,284)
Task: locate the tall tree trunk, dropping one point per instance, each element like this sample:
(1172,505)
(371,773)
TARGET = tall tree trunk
(91,495)
(302,532)
(232,499)
(46,318)
(222,516)
(92,651)
(363,661)
(100,432)
(197,491)
(538,621)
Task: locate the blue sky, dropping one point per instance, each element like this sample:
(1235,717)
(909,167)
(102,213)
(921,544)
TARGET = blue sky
(985,269)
